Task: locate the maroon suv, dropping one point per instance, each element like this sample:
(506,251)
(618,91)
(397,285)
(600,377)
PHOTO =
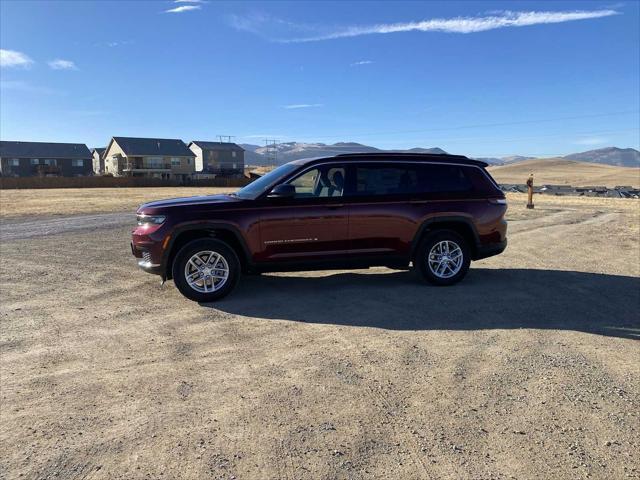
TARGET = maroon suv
(436,212)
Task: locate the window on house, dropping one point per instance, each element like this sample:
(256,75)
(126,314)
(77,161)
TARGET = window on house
(49,161)
(14,162)
(175,162)
(153,162)
(35,161)
(77,163)
(233,154)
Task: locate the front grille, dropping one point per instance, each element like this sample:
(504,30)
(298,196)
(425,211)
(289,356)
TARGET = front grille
(146,256)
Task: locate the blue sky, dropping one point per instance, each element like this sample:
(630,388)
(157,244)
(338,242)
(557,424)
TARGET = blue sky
(476,78)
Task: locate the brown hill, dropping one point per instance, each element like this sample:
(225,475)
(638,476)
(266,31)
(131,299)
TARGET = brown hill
(558,171)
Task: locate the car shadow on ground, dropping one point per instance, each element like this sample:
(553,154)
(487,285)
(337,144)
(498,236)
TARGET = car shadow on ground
(486,299)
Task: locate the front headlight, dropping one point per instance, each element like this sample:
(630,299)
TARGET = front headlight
(151,219)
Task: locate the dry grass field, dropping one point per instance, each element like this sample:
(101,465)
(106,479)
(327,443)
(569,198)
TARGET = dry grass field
(527,369)
(558,171)
(72,201)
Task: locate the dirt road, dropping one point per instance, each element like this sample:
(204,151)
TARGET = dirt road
(528,369)
(47,226)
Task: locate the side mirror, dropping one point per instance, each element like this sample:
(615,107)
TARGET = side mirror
(282,191)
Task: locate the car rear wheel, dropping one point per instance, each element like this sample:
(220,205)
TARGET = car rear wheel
(206,270)
(443,257)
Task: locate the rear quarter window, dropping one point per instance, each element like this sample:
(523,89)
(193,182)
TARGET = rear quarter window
(482,181)
(445,178)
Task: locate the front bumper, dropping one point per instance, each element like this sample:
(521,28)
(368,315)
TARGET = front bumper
(146,247)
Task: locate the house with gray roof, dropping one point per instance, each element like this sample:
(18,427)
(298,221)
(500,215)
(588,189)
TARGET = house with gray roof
(149,157)
(31,159)
(218,158)
(98,160)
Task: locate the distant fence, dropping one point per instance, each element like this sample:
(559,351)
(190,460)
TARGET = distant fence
(115,182)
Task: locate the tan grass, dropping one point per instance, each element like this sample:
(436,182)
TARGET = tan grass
(72,201)
(566,172)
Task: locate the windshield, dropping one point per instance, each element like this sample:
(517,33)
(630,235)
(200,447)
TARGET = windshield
(259,186)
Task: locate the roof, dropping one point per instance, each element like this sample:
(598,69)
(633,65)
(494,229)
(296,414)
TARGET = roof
(381,156)
(99,151)
(44,150)
(153,146)
(216,145)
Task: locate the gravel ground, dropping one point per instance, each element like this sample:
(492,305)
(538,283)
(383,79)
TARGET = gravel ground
(47,226)
(528,369)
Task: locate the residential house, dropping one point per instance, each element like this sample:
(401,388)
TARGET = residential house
(218,158)
(98,160)
(149,157)
(29,159)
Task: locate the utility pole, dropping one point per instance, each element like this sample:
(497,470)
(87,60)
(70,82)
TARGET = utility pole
(272,151)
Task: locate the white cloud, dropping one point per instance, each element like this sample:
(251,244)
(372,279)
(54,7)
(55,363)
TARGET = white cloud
(591,141)
(112,44)
(302,105)
(20,86)
(89,113)
(183,8)
(505,19)
(59,64)
(11,58)
(362,62)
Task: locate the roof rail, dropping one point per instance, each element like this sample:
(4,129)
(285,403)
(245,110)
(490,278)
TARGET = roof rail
(444,157)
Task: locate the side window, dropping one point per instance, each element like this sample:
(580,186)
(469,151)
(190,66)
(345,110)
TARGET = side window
(378,180)
(320,182)
(444,178)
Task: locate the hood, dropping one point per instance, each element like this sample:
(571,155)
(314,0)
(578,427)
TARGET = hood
(188,201)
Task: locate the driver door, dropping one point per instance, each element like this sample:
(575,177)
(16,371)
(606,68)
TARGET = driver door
(312,225)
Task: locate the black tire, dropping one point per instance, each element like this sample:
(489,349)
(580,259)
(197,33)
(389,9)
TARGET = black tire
(202,245)
(421,264)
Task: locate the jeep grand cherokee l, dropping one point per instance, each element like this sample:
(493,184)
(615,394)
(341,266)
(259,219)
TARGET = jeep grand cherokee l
(434,212)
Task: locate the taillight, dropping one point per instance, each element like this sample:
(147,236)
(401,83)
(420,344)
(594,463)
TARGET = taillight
(498,201)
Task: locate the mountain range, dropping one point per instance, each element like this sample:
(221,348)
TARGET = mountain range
(289,151)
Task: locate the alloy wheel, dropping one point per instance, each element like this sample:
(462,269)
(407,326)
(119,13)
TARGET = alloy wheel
(206,271)
(445,259)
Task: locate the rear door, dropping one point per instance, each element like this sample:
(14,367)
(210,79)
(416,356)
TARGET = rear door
(312,226)
(381,220)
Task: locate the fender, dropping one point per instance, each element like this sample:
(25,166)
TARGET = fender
(433,221)
(199,226)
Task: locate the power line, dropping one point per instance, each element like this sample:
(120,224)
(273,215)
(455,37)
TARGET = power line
(481,125)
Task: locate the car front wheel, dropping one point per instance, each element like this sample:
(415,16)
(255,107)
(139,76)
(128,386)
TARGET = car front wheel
(443,258)
(206,270)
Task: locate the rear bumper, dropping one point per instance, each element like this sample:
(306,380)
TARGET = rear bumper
(489,250)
